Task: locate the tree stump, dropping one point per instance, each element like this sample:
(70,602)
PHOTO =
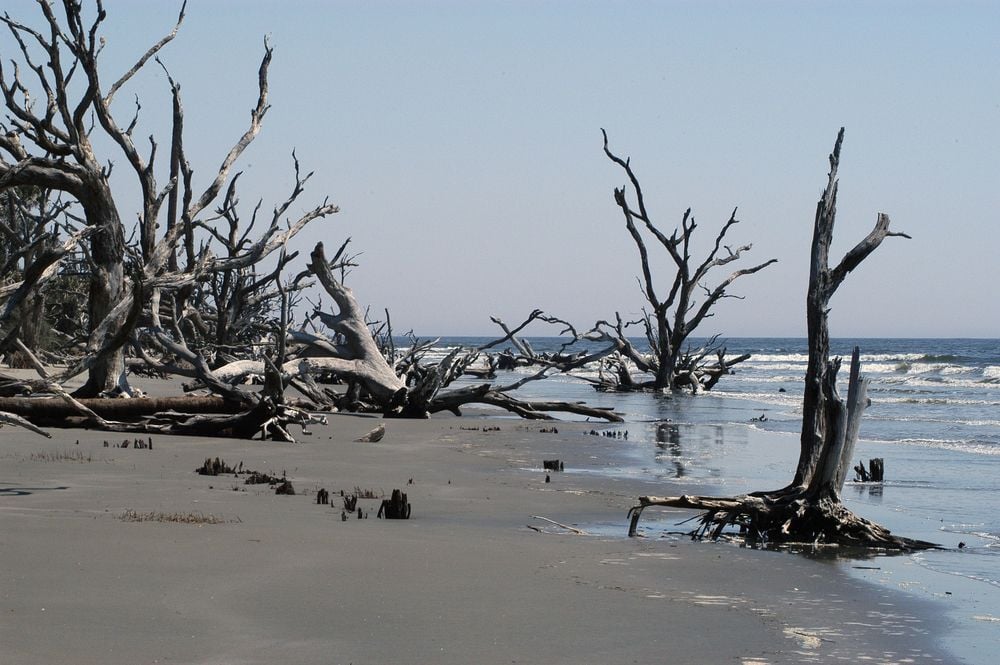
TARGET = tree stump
(875,473)
(395,508)
(876,469)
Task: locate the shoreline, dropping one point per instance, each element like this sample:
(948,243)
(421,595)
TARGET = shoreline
(464,580)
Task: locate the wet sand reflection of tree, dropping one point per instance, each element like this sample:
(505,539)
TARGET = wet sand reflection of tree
(669,441)
(668,438)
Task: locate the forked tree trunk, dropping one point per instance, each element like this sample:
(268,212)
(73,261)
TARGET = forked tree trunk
(825,417)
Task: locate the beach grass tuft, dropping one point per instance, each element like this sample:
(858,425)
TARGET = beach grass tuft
(61,456)
(177,518)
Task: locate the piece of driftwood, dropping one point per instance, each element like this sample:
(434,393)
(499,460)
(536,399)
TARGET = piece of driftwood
(374,436)
(14,419)
(580,532)
(396,507)
(47,410)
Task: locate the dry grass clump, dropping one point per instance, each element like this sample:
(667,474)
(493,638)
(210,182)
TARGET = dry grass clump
(61,456)
(179,518)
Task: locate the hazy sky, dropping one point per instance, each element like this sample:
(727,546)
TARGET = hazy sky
(462,143)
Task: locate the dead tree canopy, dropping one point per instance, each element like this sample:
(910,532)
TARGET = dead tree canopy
(675,308)
(60,133)
(809,510)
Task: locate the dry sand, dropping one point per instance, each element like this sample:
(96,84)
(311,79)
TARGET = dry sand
(282,579)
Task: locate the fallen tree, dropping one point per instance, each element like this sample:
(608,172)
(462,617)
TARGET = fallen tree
(407,387)
(183,292)
(57,146)
(809,509)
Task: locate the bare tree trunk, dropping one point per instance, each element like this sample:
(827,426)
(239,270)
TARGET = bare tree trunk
(824,416)
(809,509)
(107,282)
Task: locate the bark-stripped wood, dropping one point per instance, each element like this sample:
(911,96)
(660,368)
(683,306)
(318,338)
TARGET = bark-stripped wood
(365,362)
(359,361)
(51,409)
(50,147)
(809,509)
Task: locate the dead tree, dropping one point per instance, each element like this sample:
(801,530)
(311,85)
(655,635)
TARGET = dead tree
(673,315)
(405,387)
(47,143)
(51,147)
(809,510)
(48,146)
(28,229)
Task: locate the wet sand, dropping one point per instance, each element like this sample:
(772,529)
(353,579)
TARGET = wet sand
(465,580)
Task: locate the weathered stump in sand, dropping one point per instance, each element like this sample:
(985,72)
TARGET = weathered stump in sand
(395,508)
(875,473)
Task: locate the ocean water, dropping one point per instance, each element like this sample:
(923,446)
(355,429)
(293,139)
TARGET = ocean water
(934,419)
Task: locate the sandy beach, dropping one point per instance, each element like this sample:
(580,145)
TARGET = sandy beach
(465,580)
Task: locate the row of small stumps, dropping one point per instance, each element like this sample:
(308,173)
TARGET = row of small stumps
(397,507)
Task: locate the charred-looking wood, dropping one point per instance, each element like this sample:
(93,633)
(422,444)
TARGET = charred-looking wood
(285,487)
(215,467)
(395,508)
(809,510)
(875,473)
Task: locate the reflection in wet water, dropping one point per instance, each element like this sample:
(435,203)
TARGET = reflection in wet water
(668,438)
(688,447)
(871,490)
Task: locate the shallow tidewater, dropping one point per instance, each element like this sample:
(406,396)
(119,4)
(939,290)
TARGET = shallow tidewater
(933,419)
(473,576)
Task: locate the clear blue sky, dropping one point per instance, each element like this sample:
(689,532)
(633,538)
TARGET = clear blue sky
(462,142)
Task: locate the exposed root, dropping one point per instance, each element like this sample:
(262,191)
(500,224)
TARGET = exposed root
(781,518)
